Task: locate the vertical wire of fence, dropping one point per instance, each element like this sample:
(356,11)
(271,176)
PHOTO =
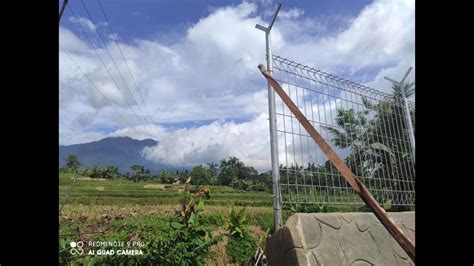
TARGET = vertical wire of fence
(365,127)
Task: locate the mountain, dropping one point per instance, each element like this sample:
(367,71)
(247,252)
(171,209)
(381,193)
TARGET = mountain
(122,152)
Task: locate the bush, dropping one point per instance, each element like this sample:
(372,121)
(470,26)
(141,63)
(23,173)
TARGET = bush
(107,172)
(265,221)
(166,177)
(241,245)
(180,238)
(241,249)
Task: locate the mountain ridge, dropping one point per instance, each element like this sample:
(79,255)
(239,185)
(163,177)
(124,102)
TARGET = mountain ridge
(122,152)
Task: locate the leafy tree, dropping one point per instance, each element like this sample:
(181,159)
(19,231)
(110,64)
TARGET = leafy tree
(233,168)
(226,175)
(110,172)
(407,87)
(139,172)
(267,180)
(378,142)
(107,172)
(72,162)
(200,175)
(213,169)
(166,177)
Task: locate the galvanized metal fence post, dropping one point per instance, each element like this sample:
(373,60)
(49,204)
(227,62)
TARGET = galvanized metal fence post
(411,132)
(277,212)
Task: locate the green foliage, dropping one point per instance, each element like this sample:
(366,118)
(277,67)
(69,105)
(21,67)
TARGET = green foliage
(248,185)
(138,169)
(139,173)
(107,172)
(232,169)
(310,208)
(215,181)
(241,245)
(237,222)
(200,175)
(72,162)
(380,146)
(226,175)
(213,169)
(182,244)
(166,177)
(157,231)
(265,221)
(122,192)
(64,250)
(241,249)
(373,156)
(181,238)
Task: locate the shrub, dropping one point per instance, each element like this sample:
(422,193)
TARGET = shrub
(241,245)
(241,249)
(176,239)
(166,177)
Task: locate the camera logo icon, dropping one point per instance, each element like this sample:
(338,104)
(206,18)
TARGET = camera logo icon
(76,248)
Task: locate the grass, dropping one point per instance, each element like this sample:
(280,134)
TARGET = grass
(98,209)
(125,192)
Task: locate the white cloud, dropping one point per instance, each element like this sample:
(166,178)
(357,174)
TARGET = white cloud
(249,141)
(72,42)
(113,36)
(291,14)
(139,14)
(211,74)
(84,22)
(382,34)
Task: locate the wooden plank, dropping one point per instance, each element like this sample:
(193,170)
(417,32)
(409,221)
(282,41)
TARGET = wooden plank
(352,179)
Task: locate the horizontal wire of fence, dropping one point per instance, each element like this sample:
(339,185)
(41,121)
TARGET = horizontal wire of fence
(366,127)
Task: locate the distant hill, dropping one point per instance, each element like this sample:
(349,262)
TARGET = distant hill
(122,152)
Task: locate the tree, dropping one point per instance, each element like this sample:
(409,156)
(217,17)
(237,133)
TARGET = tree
(139,172)
(111,172)
(138,169)
(226,175)
(231,169)
(166,177)
(247,172)
(267,180)
(200,175)
(213,169)
(378,142)
(72,162)
(407,87)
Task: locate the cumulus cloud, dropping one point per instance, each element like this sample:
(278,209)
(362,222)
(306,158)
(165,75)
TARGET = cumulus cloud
(249,141)
(84,22)
(290,14)
(181,82)
(210,74)
(113,36)
(382,35)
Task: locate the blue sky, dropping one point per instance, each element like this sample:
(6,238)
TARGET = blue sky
(188,75)
(167,20)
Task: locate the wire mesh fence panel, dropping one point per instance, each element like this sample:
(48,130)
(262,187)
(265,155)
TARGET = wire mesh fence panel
(367,129)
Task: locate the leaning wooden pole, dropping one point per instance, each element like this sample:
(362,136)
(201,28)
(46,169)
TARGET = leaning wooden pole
(352,179)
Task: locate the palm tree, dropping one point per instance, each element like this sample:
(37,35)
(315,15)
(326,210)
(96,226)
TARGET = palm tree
(213,168)
(408,88)
(377,138)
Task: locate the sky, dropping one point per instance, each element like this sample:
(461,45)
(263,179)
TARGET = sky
(185,72)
